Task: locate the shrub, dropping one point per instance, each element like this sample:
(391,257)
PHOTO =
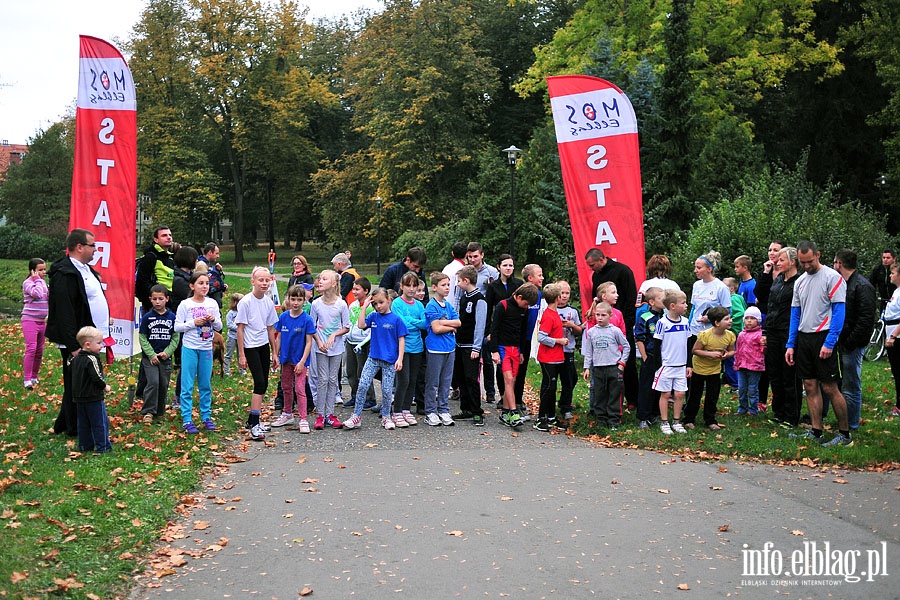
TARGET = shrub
(18,243)
(780,203)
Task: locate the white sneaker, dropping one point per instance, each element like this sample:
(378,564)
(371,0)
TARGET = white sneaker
(446,420)
(677,427)
(387,423)
(665,428)
(303,426)
(354,422)
(432,419)
(409,418)
(257,434)
(284,419)
(398,420)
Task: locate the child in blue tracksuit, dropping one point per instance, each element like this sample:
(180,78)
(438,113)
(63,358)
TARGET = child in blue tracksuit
(440,344)
(645,320)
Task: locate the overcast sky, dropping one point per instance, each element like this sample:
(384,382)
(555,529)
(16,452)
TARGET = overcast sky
(39,64)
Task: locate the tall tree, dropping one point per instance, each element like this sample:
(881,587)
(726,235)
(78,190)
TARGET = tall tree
(420,90)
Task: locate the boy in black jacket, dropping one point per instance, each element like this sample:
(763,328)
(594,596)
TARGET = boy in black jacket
(88,390)
(509,331)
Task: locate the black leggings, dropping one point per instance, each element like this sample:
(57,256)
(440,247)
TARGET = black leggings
(258,361)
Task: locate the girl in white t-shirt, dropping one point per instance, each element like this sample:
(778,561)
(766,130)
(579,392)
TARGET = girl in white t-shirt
(256,320)
(331,316)
(198,316)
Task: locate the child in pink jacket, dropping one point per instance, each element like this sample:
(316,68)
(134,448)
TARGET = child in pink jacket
(749,362)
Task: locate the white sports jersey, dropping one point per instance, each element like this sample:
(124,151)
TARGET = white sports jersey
(673,336)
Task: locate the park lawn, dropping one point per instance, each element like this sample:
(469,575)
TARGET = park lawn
(81,526)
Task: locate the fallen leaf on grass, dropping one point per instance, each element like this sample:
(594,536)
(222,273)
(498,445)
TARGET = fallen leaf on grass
(16,577)
(136,522)
(68,583)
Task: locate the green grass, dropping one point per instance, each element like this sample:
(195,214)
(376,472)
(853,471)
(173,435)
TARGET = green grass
(753,438)
(92,518)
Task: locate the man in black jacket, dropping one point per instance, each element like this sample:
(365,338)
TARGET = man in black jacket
(76,300)
(156,266)
(881,277)
(858,320)
(621,275)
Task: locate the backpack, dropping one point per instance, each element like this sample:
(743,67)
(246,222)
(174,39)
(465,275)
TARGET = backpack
(142,294)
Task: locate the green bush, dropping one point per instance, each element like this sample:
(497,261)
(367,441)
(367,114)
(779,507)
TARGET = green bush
(18,243)
(783,204)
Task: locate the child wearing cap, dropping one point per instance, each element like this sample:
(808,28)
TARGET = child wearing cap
(749,361)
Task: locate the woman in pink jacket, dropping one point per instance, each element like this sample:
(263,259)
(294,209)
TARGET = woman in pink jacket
(34,320)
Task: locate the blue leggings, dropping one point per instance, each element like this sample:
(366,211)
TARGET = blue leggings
(196,364)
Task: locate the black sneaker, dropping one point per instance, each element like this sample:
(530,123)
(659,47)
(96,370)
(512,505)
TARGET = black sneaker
(541,425)
(463,416)
(477,420)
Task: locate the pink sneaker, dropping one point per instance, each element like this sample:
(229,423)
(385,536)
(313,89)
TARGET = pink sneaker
(387,423)
(334,421)
(398,420)
(320,422)
(284,419)
(409,418)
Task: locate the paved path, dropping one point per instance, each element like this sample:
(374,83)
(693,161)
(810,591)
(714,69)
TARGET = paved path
(478,513)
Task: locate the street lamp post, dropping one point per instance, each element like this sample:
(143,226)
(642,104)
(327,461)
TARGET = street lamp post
(378,237)
(512,156)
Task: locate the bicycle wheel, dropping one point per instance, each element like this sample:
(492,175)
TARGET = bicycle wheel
(875,349)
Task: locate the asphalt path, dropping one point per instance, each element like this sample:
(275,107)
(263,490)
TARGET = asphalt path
(466,512)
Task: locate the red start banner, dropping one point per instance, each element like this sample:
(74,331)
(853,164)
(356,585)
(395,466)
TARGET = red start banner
(104,183)
(596,133)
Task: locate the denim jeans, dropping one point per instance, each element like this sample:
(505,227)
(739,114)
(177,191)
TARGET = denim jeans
(370,369)
(851,386)
(748,390)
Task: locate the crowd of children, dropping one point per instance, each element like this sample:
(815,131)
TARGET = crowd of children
(424,352)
